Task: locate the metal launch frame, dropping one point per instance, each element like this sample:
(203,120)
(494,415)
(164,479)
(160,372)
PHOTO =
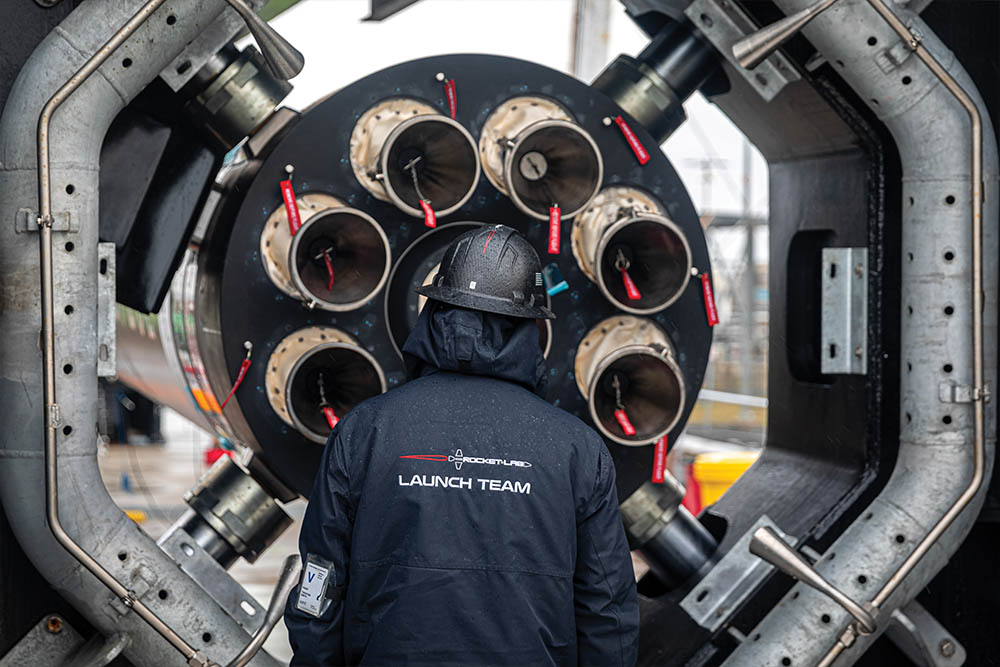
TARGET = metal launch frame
(883,165)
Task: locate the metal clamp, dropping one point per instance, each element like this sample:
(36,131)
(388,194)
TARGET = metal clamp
(730,583)
(923,639)
(952,392)
(768,545)
(27,220)
(724,24)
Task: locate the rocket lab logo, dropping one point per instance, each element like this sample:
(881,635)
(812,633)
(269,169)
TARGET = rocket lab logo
(458,458)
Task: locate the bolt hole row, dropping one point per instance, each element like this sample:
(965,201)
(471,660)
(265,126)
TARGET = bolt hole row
(949,310)
(947,368)
(949,199)
(947,419)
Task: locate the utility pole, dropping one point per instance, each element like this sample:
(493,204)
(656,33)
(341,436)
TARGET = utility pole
(591,27)
(750,275)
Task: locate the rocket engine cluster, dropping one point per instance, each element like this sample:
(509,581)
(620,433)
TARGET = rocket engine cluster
(269,291)
(313,246)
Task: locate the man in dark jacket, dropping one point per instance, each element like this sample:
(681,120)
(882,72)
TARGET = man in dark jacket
(460,519)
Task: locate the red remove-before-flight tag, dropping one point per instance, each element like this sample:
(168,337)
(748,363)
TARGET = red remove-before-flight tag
(659,460)
(710,312)
(239,380)
(555,229)
(329,270)
(630,289)
(624,422)
(291,207)
(331,416)
(641,154)
(429,218)
(452,96)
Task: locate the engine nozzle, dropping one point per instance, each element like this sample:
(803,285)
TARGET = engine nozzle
(650,251)
(635,390)
(315,375)
(430,159)
(339,259)
(552,162)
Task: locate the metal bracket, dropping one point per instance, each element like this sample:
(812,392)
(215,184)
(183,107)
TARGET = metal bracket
(106,353)
(211,576)
(723,23)
(26,220)
(225,28)
(893,57)
(844,327)
(950,392)
(733,579)
(924,641)
(142,580)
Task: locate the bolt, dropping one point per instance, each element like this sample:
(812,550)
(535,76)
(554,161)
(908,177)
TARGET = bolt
(607,121)
(859,270)
(54,625)
(858,351)
(439,76)
(947,648)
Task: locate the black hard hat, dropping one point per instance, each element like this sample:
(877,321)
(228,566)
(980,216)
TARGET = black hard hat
(493,269)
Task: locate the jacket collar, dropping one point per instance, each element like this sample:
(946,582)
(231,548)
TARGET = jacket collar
(474,342)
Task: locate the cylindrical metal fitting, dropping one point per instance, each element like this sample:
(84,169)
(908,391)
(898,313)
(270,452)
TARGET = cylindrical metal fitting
(431,159)
(652,88)
(319,367)
(231,515)
(338,260)
(235,93)
(404,151)
(505,123)
(624,229)
(627,363)
(672,542)
(552,162)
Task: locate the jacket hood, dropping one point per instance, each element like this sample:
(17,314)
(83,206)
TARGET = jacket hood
(475,343)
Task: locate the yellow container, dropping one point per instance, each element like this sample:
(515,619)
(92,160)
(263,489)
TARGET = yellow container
(136,515)
(716,471)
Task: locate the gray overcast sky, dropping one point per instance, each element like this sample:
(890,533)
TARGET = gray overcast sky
(339,49)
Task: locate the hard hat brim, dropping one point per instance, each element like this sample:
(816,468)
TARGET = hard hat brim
(490,304)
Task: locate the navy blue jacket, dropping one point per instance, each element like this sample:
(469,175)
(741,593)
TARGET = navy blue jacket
(468,521)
